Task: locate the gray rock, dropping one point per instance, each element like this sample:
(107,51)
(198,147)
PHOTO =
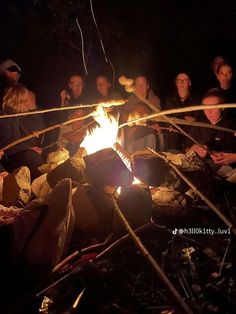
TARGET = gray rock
(17,188)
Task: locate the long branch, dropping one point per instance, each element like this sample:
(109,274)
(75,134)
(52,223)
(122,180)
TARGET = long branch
(42,131)
(178,110)
(158,115)
(193,123)
(159,272)
(81,106)
(152,107)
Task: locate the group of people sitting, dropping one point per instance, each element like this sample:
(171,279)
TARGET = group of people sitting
(215,146)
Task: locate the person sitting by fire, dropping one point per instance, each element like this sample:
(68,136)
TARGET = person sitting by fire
(16,100)
(10,73)
(182,97)
(226,85)
(217,147)
(69,136)
(137,137)
(105,93)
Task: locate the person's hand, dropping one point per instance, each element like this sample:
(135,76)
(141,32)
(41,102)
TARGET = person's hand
(201,150)
(3,174)
(37,149)
(223,158)
(156,127)
(64,97)
(189,118)
(1,153)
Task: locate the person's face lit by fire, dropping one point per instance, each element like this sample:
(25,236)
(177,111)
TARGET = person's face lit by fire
(214,114)
(183,83)
(216,63)
(103,85)
(76,85)
(141,86)
(224,75)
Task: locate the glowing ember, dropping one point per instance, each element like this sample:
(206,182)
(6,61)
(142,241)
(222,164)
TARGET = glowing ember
(118,191)
(136,181)
(102,136)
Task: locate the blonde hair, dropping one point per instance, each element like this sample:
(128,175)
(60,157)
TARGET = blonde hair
(18,99)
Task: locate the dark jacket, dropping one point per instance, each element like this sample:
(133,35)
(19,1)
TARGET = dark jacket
(177,141)
(216,140)
(174,101)
(12,129)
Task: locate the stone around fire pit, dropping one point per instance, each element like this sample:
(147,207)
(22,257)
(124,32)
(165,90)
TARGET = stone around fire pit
(168,201)
(187,162)
(106,168)
(136,204)
(149,168)
(40,186)
(17,188)
(72,168)
(54,159)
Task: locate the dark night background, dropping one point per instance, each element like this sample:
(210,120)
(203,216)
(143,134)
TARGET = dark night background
(155,37)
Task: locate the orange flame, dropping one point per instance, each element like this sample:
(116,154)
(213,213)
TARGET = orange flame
(102,136)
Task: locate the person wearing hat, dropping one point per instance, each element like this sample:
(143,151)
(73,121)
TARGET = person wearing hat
(9,75)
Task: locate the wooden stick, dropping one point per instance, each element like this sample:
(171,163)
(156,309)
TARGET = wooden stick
(182,131)
(159,272)
(197,192)
(178,110)
(39,132)
(151,116)
(77,253)
(193,123)
(72,133)
(152,107)
(169,120)
(104,104)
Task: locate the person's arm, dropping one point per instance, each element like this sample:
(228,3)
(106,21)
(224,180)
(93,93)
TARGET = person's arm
(201,150)
(65,96)
(9,132)
(221,158)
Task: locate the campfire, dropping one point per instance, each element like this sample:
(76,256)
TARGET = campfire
(104,135)
(101,191)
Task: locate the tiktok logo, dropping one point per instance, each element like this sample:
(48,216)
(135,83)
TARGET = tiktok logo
(175,231)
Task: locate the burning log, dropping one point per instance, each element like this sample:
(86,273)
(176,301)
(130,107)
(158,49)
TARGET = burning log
(148,168)
(106,168)
(16,188)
